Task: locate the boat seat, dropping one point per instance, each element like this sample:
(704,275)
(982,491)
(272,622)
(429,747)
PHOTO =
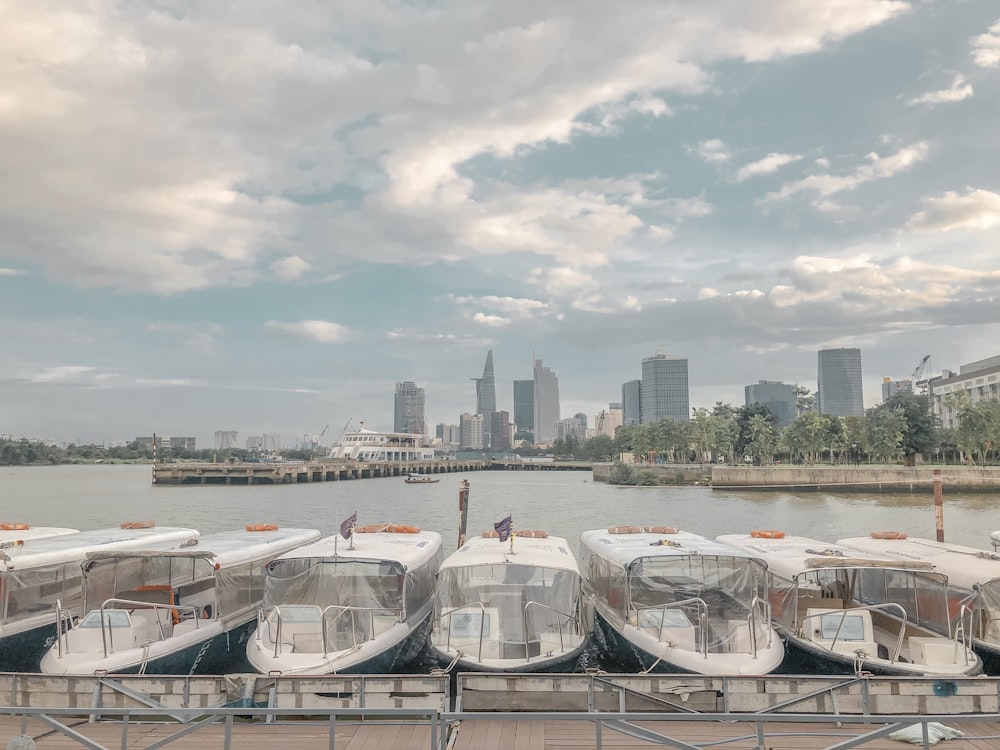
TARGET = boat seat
(311,643)
(930,650)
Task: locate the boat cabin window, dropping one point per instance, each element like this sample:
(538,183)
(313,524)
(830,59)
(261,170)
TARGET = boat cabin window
(344,583)
(667,618)
(663,580)
(30,591)
(116,618)
(293,613)
(852,629)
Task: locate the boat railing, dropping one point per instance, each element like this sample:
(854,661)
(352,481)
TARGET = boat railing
(482,623)
(563,619)
(339,610)
(964,629)
(763,607)
(107,631)
(894,657)
(64,623)
(701,644)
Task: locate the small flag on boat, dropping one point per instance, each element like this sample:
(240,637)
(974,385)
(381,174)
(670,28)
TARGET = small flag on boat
(503,528)
(347,527)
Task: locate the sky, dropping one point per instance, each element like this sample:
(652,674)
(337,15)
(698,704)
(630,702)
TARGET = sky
(260,217)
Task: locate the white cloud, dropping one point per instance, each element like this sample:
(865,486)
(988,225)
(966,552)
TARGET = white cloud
(290,268)
(450,339)
(770,163)
(61,373)
(960,89)
(11,272)
(563,281)
(713,151)
(320,331)
(986,48)
(876,168)
(822,162)
(514,306)
(976,209)
(490,321)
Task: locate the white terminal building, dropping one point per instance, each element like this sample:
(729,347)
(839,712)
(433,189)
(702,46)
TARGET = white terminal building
(368,445)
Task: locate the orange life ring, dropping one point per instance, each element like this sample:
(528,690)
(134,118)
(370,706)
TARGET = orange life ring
(625,530)
(138,524)
(532,534)
(767,534)
(377,528)
(174,615)
(662,530)
(491,535)
(15,526)
(888,535)
(262,527)
(395,529)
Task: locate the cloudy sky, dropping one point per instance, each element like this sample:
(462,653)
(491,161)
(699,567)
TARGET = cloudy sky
(259,216)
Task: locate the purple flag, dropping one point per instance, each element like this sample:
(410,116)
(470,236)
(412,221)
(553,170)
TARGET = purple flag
(347,527)
(503,528)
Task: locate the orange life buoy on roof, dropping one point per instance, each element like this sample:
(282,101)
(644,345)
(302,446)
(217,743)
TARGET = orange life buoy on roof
(371,529)
(491,535)
(397,529)
(138,524)
(767,534)
(662,530)
(15,526)
(532,534)
(262,527)
(625,530)
(888,535)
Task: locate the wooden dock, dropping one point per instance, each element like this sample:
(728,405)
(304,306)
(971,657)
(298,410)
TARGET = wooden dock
(301,472)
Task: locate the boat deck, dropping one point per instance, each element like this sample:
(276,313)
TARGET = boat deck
(480,734)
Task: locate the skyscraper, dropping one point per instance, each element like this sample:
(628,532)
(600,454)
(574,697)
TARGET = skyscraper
(631,403)
(839,379)
(546,397)
(664,393)
(524,405)
(777,396)
(408,414)
(486,389)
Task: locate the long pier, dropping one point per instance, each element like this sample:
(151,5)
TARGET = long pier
(301,472)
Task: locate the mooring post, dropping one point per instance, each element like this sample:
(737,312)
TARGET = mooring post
(938,506)
(463,510)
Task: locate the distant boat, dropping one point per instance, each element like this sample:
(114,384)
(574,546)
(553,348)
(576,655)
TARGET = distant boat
(421,479)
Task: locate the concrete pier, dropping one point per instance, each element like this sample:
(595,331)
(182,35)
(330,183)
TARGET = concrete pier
(300,472)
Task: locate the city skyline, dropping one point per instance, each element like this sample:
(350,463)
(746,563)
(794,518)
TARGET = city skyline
(263,218)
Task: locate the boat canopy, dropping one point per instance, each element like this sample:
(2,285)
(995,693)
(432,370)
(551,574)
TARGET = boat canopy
(965,567)
(549,552)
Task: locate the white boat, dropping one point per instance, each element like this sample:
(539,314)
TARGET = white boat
(40,574)
(421,479)
(995,539)
(513,606)
(333,606)
(845,611)
(183,609)
(676,601)
(369,445)
(15,534)
(973,604)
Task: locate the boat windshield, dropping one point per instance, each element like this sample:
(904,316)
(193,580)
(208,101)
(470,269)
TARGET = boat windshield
(499,585)
(343,583)
(657,581)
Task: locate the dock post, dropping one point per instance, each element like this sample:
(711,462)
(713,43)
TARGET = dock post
(938,506)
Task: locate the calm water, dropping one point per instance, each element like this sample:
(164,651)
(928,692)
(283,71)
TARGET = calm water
(563,503)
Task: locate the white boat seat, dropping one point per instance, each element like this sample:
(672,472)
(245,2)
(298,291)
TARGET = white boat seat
(311,643)
(857,633)
(930,650)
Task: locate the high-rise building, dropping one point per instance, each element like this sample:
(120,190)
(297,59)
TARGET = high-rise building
(631,403)
(777,396)
(570,427)
(891,387)
(486,389)
(450,434)
(839,379)
(609,420)
(500,433)
(472,432)
(408,414)
(583,419)
(524,405)
(980,380)
(664,393)
(255,443)
(546,398)
(226,439)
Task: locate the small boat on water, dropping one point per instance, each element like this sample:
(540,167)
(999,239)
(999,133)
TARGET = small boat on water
(182,609)
(15,534)
(973,604)
(844,611)
(510,607)
(421,479)
(677,601)
(357,605)
(44,573)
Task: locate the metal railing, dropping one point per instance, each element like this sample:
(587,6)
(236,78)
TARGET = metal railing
(701,642)
(482,624)
(871,607)
(264,619)
(63,617)
(562,619)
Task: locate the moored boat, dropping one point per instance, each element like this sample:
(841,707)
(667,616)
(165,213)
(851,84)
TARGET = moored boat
(413,478)
(973,604)
(40,574)
(357,605)
(183,609)
(677,601)
(510,606)
(844,611)
(15,534)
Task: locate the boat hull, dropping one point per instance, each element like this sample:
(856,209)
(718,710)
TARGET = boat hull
(990,654)
(561,664)
(22,652)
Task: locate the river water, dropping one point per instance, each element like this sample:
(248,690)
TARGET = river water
(564,503)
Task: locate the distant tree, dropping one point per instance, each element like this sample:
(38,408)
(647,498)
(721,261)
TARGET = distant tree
(763,439)
(804,400)
(599,448)
(744,434)
(807,436)
(918,435)
(886,428)
(621,474)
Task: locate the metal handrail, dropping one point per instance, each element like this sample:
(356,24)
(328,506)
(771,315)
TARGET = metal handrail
(700,605)
(64,623)
(963,635)
(871,607)
(568,618)
(482,623)
(343,609)
(138,605)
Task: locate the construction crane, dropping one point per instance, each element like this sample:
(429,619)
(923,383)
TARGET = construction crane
(918,373)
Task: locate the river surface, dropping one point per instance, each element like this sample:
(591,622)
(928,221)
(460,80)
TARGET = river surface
(564,503)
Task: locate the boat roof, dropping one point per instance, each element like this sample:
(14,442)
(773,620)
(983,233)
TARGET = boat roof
(964,566)
(792,555)
(224,548)
(33,532)
(410,550)
(624,549)
(53,550)
(550,552)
